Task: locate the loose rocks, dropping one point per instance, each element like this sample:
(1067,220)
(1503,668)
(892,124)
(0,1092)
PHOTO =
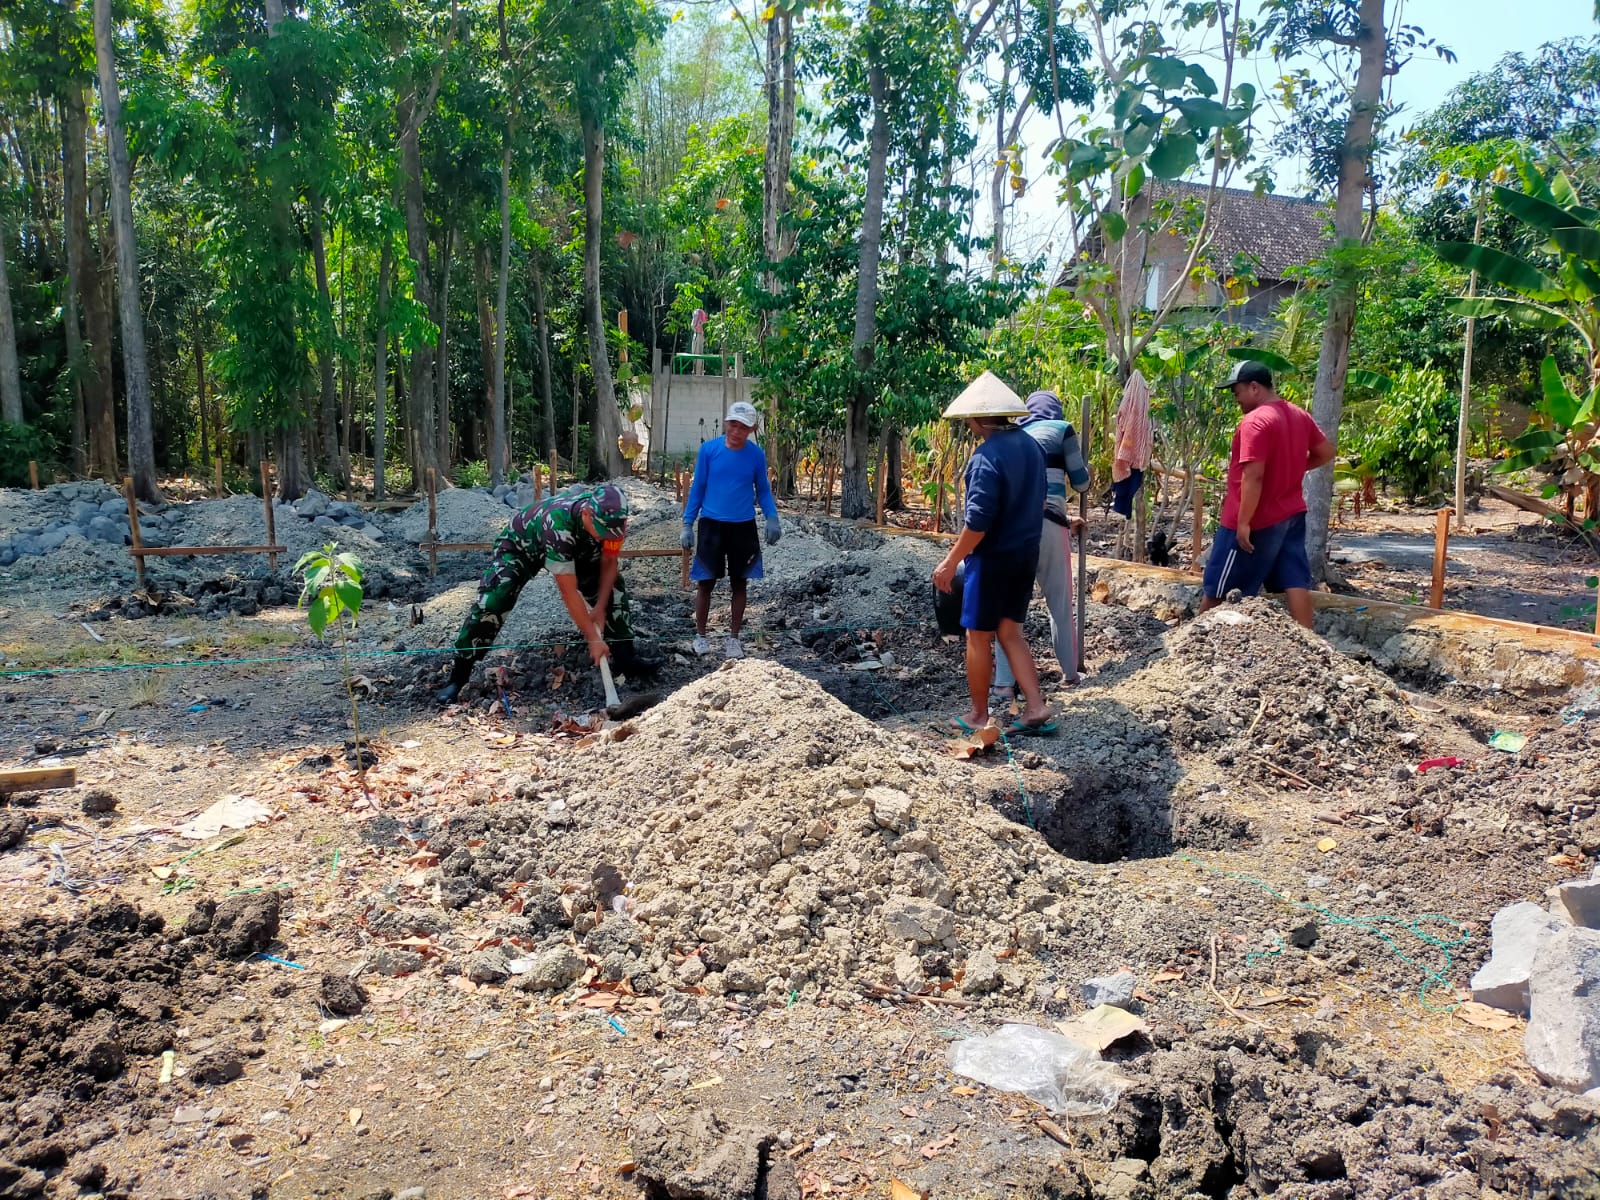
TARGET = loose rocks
(1563,1035)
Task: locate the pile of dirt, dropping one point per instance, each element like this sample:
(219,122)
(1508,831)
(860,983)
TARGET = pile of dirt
(1244,683)
(755,836)
(79,1001)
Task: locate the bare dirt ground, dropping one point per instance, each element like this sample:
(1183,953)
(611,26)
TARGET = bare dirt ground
(724,950)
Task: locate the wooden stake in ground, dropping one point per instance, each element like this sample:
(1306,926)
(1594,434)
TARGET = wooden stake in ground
(135,541)
(538,482)
(555,463)
(33,474)
(218,489)
(272,528)
(1441,540)
(1083,542)
(883,479)
(433,524)
(1197,504)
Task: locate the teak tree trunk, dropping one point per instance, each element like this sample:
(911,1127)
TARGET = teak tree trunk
(135,365)
(605,456)
(1333,361)
(855,498)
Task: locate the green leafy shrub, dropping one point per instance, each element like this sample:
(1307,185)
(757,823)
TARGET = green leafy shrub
(20,445)
(471,474)
(1411,435)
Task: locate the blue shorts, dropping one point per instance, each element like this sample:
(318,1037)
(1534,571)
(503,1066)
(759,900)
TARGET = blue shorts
(998,587)
(1124,490)
(1278,563)
(731,548)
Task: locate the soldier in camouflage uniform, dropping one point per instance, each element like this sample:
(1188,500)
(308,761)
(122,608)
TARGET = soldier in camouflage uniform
(576,535)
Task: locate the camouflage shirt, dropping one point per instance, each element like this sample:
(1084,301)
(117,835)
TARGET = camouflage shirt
(550,532)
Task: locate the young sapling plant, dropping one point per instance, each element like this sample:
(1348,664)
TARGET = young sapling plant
(332,597)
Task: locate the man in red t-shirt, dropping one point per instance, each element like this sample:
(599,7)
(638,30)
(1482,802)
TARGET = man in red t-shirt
(1262,541)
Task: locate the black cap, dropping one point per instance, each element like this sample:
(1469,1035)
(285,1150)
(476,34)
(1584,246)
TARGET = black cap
(1248,371)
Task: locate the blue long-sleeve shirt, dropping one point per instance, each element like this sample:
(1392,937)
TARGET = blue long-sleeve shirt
(729,483)
(1005,492)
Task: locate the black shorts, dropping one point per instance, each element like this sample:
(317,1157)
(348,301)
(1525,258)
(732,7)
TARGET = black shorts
(998,587)
(731,548)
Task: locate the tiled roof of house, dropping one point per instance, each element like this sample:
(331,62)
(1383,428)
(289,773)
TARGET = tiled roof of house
(1278,232)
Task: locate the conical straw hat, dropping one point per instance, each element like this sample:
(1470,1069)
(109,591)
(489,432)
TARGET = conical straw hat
(986,396)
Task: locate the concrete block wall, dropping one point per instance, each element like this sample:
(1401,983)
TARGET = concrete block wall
(687,410)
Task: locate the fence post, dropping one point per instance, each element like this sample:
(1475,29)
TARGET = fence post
(272,528)
(133,529)
(883,478)
(555,463)
(433,525)
(1197,505)
(218,463)
(1441,540)
(33,474)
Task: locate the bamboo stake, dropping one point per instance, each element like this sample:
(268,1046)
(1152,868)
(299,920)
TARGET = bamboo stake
(1441,540)
(133,529)
(266,499)
(433,525)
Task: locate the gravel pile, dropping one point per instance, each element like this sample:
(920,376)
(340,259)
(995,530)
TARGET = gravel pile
(770,842)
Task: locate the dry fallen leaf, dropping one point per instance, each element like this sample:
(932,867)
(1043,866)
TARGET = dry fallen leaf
(1484,1017)
(899,1189)
(705,1083)
(974,743)
(1166,976)
(1102,1026)
(932,1149)
(963,1091)
(355,1116)
(1326,844)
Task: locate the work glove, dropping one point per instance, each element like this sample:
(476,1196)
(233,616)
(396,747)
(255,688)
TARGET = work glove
(774,531)
(687,540)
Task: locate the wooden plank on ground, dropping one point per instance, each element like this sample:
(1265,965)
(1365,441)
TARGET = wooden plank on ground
(36,779)
(177,551)
(1529,504)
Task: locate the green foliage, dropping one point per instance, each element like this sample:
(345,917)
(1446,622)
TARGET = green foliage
(473,474)
(20,445)
(332,588)
(1410,438)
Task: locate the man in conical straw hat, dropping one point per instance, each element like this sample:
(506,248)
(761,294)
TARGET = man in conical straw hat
(999,543)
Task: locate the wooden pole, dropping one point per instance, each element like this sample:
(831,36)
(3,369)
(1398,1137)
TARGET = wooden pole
(33,474)
(687,555)
(1081,610)
(433,524)
(1141,504)
(133,529)
(218,488)
(1197,506)
(555,462)
(538,482)
(883,479)
(266,499)
(1441,540)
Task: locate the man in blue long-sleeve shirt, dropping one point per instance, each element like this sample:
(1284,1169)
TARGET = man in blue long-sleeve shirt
(730,478)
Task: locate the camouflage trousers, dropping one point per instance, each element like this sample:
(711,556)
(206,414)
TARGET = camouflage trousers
(502,584)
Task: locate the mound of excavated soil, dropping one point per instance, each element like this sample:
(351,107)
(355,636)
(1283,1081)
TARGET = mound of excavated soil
(1244,682)
(79,1002)
(772,841)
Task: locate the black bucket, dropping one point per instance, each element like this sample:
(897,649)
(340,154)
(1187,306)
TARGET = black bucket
(947,605)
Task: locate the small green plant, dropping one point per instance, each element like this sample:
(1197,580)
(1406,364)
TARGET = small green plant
(472,474)
(332,597)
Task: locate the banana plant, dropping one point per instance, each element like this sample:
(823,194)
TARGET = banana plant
(1562,292)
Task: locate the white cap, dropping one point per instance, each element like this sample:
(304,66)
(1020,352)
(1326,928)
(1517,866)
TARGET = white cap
(745,413)
(986,396)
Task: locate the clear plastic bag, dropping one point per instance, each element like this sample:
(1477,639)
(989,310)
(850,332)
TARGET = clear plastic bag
(1065,1077)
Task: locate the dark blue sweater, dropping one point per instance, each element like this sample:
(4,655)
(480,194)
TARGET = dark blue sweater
(1005,493)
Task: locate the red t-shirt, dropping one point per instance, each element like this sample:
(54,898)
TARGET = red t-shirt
(1280,436)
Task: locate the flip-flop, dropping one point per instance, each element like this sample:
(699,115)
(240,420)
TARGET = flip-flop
(958,726)
(1044,728)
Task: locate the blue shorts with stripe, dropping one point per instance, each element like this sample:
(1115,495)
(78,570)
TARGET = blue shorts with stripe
(1277,563)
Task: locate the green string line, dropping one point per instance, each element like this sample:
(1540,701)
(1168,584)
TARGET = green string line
(268,660)
(1374,925)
